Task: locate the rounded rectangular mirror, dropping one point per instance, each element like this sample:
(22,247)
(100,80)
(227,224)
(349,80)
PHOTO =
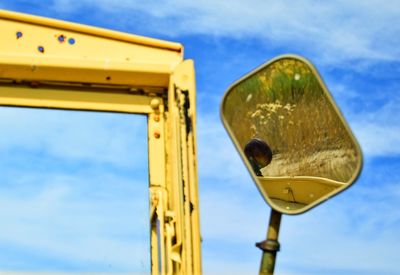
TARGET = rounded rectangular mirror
(291,135)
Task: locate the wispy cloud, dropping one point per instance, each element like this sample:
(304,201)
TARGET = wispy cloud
(63,225)
(333,31)
(360,228)
(218,159)
(378,129)
(360,220)
(334,238)
(71,195)
(355,233)
(55,132)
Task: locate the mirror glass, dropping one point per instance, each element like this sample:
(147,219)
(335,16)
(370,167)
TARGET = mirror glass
(291,135)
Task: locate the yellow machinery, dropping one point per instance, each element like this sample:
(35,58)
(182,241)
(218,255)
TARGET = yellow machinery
(47,63)
(311,154)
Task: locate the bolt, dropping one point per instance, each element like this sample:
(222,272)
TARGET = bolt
(155,103)
(154,199)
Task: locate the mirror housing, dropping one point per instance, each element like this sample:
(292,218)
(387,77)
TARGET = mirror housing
(291,135)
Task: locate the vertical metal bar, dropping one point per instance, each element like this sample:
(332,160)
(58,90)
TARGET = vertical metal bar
(183,117)
(174,176)
(189,77)
(271,245)
(157,184)
(185,183)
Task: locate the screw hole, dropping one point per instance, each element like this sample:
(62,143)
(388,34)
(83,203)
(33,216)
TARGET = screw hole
(41,49)
(61,38)
(71,41)
(19,35)
(108,78)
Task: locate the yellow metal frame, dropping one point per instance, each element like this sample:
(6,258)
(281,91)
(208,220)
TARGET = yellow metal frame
(47,63)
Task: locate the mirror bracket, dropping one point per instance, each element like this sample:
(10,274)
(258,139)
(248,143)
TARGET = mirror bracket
(269,245)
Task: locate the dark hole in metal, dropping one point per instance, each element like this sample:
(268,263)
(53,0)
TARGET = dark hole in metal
(41,49)
(108,77)
(71,41)
(61,38)
(34,84)
(19,35)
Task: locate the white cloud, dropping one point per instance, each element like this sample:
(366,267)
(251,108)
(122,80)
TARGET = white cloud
(377,139)
(117,139)
(358,226)
(93,216)
(91,229)
(378,130)
(334,31)
(342,235)
(218,158)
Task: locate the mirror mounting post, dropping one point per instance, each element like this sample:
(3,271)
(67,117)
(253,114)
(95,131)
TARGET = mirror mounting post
(270,246)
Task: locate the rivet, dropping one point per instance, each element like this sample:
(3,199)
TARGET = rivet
(156,118)
(157,134)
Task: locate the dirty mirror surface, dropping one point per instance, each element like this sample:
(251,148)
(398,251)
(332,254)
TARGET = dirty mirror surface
(288,130)
(73,192)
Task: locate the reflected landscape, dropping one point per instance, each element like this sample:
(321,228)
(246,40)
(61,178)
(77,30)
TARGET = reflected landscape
(293,137)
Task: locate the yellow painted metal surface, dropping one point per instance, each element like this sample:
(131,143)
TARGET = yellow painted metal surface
(184,77)
(297,192)
(45,49)
(64,98)
(46,63)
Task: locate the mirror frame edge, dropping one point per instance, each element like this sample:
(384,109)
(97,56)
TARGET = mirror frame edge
(317,202)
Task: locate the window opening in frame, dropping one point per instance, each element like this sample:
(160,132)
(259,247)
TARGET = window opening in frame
(73,192)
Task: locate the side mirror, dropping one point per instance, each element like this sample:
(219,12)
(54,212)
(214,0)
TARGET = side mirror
(291,135)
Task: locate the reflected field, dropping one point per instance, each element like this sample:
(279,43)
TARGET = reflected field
(285,108)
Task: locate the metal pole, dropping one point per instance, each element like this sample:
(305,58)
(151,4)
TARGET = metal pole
(271,245)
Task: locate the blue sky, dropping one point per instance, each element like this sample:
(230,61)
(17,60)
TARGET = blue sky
(354,45)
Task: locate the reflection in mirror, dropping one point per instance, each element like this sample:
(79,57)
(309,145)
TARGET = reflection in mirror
(288,128)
